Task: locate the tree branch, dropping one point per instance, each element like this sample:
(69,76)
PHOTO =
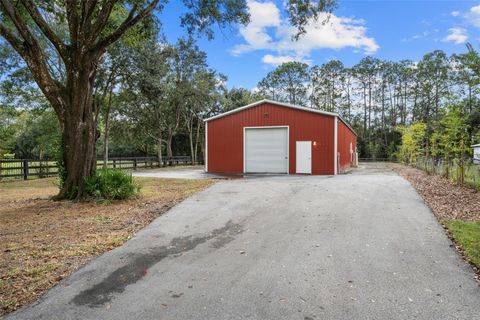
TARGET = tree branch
(21,26)
(128,23)
(87,10)
(102,19)
(72,18)
(11,39)
(42,24)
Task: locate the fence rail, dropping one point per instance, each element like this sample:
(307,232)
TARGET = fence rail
(25,168)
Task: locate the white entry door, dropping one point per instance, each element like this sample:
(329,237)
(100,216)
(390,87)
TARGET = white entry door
(304,157)
(266,150)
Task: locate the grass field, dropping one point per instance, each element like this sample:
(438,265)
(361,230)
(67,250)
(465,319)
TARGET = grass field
(42,241)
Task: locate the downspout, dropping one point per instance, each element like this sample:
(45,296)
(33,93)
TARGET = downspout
(206,146)
(335,145)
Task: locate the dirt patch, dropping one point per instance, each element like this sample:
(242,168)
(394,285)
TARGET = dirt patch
(446,200)
(42,241)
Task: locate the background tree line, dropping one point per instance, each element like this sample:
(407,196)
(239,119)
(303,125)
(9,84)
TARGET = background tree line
(381,98)
(155,95)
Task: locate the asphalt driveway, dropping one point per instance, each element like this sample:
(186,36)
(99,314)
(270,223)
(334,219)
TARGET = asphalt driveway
(355,246)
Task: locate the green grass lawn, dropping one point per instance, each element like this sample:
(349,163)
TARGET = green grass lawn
(467,235)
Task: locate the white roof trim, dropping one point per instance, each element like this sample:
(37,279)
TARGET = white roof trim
(475,145)
(282,104)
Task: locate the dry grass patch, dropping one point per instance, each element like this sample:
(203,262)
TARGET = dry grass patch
(42,241)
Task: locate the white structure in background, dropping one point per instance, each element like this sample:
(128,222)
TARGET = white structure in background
(476,153)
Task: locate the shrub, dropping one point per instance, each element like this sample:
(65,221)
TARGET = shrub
(108,184)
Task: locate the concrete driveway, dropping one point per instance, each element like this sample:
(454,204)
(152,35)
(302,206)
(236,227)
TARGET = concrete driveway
(356,246)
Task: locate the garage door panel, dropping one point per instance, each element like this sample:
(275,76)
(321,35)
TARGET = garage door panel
(266,150)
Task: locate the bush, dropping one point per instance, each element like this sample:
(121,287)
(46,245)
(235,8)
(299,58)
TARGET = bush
(108,184)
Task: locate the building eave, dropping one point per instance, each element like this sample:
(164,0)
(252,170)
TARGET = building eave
(282,104)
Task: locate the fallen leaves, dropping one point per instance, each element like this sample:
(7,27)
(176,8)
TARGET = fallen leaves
(445,199)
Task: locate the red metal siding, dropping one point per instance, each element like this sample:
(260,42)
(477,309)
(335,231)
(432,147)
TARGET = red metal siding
(225,136)
(345,137)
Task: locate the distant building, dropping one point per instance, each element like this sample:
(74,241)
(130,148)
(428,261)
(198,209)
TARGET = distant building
(476,153)
(274,137)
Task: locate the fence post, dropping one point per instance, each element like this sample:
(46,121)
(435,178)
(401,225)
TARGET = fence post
(25,169)
(114,164)
(135,164)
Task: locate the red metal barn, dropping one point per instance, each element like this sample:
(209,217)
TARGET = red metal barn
(274,137)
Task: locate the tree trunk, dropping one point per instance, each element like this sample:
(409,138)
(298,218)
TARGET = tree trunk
(159,152)
(79,127)
(189,119)
(41,173)
(78,153)
(196,139)
(349,103)
(105,144)
(470,98)
(169,146)
(364,112)
(369,108)
(192,151)
(404,114)
(106,133)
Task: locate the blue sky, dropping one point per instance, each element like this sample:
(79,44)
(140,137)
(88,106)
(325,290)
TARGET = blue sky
(385,29)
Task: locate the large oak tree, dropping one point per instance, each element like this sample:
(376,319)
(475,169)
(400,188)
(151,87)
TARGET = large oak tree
(90,31)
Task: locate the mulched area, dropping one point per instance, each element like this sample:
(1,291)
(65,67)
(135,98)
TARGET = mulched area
(446,199)
(42,241)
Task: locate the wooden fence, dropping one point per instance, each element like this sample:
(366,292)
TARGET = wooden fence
(25,168)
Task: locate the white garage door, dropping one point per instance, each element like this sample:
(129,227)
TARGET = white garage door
(266,150)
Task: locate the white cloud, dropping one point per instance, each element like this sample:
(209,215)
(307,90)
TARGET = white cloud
(473,16)
(417,36)
(457,35)
(263,15)
(336,33)
(455,13)
(266,31)
(276,60)
(279,59)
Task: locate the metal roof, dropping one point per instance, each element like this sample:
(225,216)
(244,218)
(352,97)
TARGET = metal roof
(282,104)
